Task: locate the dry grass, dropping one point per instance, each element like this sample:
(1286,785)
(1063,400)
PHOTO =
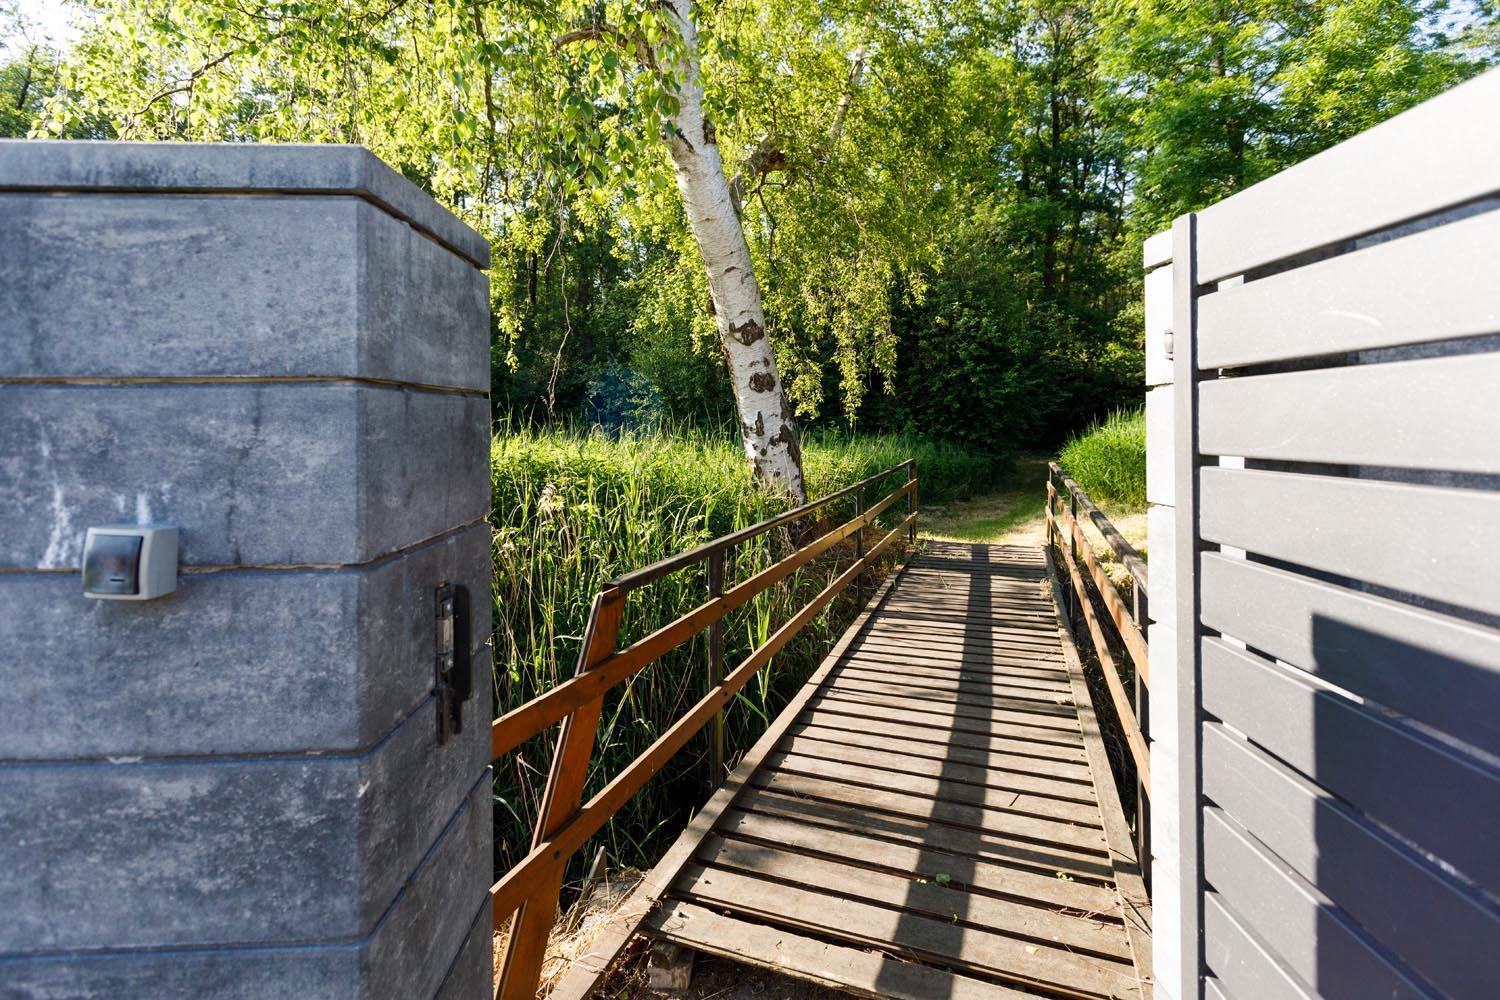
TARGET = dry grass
(576,930)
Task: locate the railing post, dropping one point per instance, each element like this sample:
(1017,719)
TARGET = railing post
(533,921)
(716,670)
(911,500)
(1073,529)
(859,547)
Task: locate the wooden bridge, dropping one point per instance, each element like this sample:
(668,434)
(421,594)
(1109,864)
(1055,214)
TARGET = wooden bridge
(933,815)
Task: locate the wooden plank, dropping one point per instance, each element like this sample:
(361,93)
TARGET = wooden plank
(848,876)
(1019,824)
(1045,703)
(1431,285)
(1424,537)
(1037,889)
(1440,670)
(941,788)
(1332,740)
(952,682)
(818,817)
(949,941)
(933,713)
(1440,153)
(1404,413)
(1001,636)
(1242,961)
(856,718)
(1033,653)
(865,972)
(973,621)
(956,672)
(1445,934)
(1051,709)
(904,746)
(1315,939)
(952,780)
(612,938)
(1135,903)
(1049,724)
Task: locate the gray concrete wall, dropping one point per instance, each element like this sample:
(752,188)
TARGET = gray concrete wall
(238,790)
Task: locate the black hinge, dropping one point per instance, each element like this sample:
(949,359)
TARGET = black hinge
(453,671)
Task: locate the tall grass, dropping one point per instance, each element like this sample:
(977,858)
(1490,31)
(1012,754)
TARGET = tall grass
(1109,460)
(572,511)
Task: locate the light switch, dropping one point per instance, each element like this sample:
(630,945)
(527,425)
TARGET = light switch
(128,562)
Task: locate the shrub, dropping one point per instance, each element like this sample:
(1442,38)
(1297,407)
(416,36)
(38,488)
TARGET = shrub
(1109,460)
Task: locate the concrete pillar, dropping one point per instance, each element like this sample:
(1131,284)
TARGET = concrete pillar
(239,790)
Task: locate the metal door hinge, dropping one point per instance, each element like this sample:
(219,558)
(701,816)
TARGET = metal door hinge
(453,670)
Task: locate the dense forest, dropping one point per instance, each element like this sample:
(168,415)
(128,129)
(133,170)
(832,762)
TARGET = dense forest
(943,201)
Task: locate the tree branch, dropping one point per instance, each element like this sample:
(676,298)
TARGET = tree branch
(608,32)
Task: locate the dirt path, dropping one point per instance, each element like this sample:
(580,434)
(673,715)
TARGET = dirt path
(1011,516)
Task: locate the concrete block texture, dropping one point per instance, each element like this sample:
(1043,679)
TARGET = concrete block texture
(237,791)
(249,168)
(472,976)
(244,661)
(252,474)
(162,854)
(432,941)
(142,286)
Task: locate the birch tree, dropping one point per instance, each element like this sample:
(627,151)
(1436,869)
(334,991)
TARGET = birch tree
(767,423)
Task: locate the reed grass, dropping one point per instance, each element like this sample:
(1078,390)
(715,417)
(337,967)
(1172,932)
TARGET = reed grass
(1109,460)
(572,511)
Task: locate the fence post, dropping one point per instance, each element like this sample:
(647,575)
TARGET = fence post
(1142,705)
(533,921)
(716,671)
(1073,528)
(859,547)
(911,500)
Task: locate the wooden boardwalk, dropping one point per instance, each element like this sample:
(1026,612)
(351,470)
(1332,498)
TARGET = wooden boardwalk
(932,817)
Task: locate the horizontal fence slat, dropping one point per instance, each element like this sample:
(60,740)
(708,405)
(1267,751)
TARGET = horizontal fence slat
(1436,413)
(1241,962)
(1445,934)
(1432,285)
(1441,153)
(1424,540)
(1314,939)
(1439,670)
(1332,740)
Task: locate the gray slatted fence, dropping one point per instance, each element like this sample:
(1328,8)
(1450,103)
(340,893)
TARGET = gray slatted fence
(1323,352)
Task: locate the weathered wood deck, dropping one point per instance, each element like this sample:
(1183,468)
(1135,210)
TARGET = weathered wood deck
(933,816)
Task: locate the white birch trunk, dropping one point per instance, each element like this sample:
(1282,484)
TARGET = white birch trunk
(770,433)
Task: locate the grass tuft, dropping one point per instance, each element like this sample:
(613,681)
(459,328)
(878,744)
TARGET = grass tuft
(1109,460)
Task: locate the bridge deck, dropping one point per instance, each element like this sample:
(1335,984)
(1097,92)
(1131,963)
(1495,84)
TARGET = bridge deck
(933,817)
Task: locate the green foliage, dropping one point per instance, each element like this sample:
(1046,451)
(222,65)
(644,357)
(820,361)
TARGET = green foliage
(1109,460)
(572,511)
(1217,96)
(30,75)
(948,221)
